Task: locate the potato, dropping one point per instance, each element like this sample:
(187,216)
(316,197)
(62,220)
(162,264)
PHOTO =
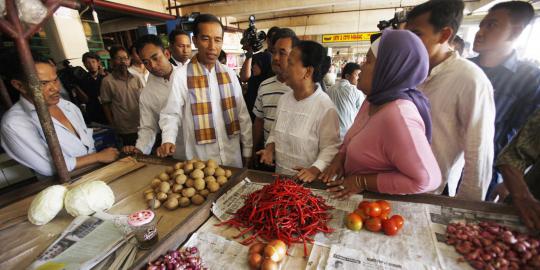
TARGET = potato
(157,204)
(188,192)
(180,179)
(197,173)
(209,171)
(188,167)
(213,186)
(199,184)
(164,187)
(199,165)
(221,180)
(219,172)
(204,192)
(193,160)
(155,183)
(184,202)
(149,196)
(161,196)
(169,170)
(176,188)
(148,191)
(176,173)
(228,173)
(190,182)
(197,199)
(211,163)
(171,203)
(209,179)
(174,195)
(163,176)
(179,165)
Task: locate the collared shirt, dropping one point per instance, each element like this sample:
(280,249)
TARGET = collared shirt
(152,100)
(143,76)
(23,139)
(177,63)
(305,132)
(348,100)
(463,116)
(123,96)
(265,107)
(523,153)
(177,112)
(516,88)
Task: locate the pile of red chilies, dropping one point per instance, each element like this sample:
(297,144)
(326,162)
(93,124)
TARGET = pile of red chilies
(282,210)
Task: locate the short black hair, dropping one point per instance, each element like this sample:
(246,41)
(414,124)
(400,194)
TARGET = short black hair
(314,55)
(459,41)
(90,55)
(12,67)
(177,32)
(222,56)
(349,68)
(148,39)
(443,13)
(206,18)
(115,49)
(520,12)
(285,33)
(271,32)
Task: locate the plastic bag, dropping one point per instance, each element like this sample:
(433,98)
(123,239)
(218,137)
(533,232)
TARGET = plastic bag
(31,11)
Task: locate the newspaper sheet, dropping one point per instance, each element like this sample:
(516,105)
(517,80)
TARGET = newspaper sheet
(85,242)
(219,253)
(440,216)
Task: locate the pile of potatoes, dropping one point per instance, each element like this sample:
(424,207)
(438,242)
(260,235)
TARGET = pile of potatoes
(186,183)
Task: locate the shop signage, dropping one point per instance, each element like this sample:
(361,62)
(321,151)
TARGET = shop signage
(350,37)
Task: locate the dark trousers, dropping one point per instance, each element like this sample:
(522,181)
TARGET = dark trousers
(128,139)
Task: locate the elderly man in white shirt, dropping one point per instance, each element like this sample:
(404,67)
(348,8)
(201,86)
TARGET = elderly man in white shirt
(206,102)
(462,104)
(154,94)
(347,97)
(21,134)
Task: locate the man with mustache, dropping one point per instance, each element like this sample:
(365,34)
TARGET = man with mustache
(21,134)
(206,102)
(120,92)
(516,83)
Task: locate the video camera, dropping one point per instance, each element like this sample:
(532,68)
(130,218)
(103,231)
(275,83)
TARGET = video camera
(399,17)
(251,37)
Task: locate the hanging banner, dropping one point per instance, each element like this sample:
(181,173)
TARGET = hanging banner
(350,37)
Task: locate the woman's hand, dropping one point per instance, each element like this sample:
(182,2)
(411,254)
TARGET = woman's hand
(307,174)
(334,170)
(345,187)
(107,155)
(267,156)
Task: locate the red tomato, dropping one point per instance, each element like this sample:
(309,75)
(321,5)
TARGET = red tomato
(389,227)
(374,224)
(361,213)
(363,205)
(398,220)
(373,209)
(384,216)
(385,207)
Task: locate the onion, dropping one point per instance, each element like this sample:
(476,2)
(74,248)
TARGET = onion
(280,247)
(269,265)
(257,248)
(271,253)
(255,260)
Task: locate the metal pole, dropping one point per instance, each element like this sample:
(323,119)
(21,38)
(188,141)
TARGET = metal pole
(14,27)
(4,95)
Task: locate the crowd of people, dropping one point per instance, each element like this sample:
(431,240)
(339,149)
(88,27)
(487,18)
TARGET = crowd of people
(414,117)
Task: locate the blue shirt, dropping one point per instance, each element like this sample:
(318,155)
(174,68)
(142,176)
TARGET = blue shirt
(516,89)
(23,140)
(348,100)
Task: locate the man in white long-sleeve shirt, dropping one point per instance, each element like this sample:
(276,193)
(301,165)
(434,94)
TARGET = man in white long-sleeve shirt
(206,102)
(154,95)
(462,104)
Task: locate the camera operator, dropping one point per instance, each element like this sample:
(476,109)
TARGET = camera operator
(256,68)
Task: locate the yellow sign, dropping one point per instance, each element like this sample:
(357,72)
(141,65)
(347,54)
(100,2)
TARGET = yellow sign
(351,37)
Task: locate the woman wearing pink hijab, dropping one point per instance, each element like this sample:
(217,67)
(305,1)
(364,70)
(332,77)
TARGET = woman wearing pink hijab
(387,149)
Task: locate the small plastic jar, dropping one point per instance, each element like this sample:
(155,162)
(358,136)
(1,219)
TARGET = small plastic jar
(143,224)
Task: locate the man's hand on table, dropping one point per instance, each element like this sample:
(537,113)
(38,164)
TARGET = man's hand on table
(108,155)
(529,210)
(165,150)
(130,149)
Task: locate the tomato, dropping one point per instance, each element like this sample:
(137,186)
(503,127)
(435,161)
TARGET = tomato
(384,216)
(363,205)
(374,224)
(398,220)
(373,209)
(385,207)
(354,222)
(361,213)
(389,227)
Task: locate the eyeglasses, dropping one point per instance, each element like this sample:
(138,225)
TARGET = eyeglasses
(49,83)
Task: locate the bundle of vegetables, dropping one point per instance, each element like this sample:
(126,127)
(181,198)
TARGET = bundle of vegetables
(488,245)
(282,210)
(186,258)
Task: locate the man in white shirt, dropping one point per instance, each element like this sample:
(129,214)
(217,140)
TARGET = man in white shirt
(180,47)
(154,95)
(137,67)
(346,97)
(462,105)
(21,134)
(206,102)
(272,88)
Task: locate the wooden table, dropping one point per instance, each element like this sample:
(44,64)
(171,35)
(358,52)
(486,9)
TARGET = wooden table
(22,242)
